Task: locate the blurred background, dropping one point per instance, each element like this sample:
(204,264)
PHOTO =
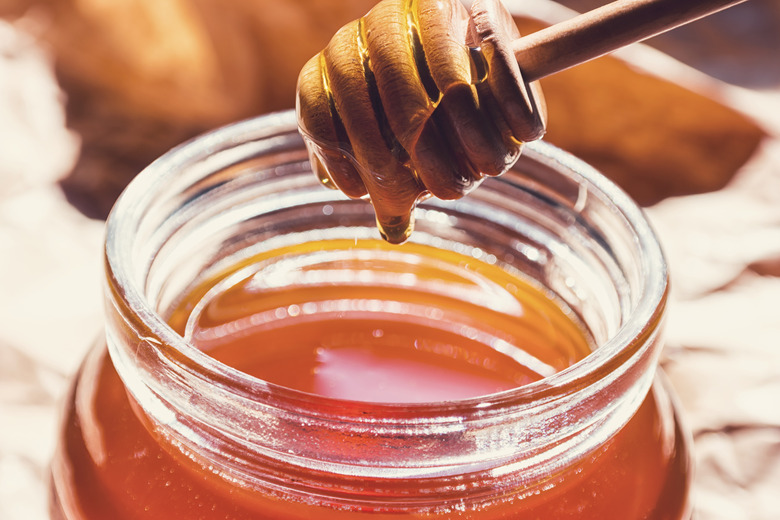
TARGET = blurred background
(91,91)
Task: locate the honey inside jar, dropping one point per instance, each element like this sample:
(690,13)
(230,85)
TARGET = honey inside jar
(366,324)
(369,321)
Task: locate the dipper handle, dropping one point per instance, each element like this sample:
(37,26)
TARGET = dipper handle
(604,30)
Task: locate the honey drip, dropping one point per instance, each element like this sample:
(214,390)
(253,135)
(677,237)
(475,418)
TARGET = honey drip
(416,99)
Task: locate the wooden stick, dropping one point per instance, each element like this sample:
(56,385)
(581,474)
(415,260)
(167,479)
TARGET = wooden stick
(604,30)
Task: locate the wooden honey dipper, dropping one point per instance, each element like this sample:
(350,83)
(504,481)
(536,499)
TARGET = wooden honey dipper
(421,98)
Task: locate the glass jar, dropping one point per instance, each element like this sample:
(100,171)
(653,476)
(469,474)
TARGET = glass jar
(156,428)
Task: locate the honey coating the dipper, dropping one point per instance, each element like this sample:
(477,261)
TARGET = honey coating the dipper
(418,98)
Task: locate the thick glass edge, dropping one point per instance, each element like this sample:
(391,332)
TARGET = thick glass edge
(130,208)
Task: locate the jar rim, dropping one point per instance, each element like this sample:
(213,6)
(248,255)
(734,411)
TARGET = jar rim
(123,277)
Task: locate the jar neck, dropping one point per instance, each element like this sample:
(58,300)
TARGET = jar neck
(199,206)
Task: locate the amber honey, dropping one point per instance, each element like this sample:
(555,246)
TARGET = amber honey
(368,324)
(134,476)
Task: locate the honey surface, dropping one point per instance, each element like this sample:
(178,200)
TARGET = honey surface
(373,322)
